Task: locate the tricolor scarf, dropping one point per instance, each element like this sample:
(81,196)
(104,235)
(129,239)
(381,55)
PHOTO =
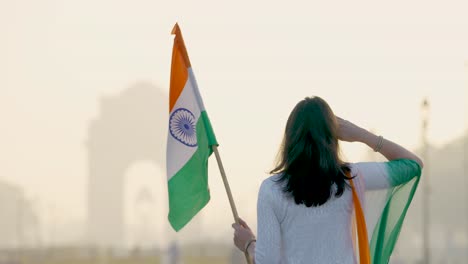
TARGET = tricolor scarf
(379,214)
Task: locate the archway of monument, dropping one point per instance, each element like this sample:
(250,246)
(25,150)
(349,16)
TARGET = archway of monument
(145,206)
(131,127)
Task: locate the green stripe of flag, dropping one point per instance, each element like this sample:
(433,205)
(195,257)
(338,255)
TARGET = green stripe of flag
(209,129)
(188,188)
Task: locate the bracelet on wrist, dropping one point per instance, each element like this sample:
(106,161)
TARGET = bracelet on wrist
(249,243)
(379,145)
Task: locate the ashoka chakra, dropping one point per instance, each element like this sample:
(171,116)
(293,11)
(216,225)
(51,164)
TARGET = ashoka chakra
(182,127)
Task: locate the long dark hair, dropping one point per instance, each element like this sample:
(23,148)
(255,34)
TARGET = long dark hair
(308,160)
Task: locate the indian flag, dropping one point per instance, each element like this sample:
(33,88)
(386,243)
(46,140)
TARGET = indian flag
(189,140)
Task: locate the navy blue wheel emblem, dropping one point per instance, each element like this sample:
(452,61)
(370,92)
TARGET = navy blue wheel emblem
(182,127)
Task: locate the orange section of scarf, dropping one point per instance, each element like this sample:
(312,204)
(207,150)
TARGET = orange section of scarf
(363,241)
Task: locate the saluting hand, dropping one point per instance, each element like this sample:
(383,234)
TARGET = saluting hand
(348,131)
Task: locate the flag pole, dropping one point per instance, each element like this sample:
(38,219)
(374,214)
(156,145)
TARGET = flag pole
(180,42)
(228,191)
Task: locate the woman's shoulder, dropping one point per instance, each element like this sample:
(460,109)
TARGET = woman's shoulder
(271,194)
(271,185)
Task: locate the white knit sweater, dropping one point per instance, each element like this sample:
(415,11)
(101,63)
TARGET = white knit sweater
(295,234)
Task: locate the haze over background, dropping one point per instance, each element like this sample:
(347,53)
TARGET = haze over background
(254,60)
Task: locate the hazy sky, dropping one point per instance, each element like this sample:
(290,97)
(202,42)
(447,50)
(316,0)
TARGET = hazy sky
(374,62)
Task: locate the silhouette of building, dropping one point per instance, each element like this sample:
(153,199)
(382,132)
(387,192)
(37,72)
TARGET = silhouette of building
(131,127)
(448,201)
(18,222)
